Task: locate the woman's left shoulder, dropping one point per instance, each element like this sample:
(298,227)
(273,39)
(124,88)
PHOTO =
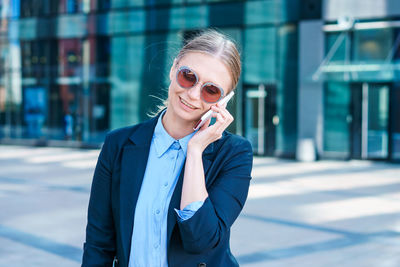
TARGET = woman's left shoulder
(233,152)
(233,141)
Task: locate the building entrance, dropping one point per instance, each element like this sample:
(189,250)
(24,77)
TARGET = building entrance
(370,120)
(260,119)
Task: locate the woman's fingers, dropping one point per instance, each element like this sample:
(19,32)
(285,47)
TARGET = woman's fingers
(208,134)
(225,115)
(205,125)
(224,118)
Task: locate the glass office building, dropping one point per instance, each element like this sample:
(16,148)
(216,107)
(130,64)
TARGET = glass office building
(71,70)
(361,74)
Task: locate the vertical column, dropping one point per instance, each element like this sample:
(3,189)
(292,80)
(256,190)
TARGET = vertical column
(86,89)
(261,119)
(310,97)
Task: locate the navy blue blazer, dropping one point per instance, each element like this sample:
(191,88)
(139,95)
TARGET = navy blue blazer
(202,240)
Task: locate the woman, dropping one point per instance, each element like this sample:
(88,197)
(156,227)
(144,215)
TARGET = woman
(163,194)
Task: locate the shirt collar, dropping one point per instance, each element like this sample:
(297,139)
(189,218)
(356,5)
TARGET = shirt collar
(163,140)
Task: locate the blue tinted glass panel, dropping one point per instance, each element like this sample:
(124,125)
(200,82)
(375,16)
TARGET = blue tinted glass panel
(372,45)
(127,55)
(126,3)
(258,12)
(188,17)
(286,138)
(336,44)
(337,99)
(395,121)
(259,55)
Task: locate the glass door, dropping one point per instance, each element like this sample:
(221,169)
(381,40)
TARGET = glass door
(337,120)
(395,123)
(260,119)
(376,114)
(370,117)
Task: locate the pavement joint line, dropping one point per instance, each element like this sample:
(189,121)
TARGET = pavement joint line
(22,181)
(12,180)
(350,192)
(260,179)
(42,243)
(301,250)
(74,188)
(302,225)
(345,193)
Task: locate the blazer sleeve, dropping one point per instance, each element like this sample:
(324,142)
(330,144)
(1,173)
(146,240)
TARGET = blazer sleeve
(226,198)
(99,248)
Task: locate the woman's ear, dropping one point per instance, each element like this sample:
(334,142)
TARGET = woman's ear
(172,70)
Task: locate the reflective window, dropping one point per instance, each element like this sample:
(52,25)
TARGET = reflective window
(396,52)
(101,5)
(286,138)
(4,71)
(372,45)
(11,80)
(396,45)
(190,17)
(126,70)
(35,8)
(395,121)
(378,115)
(126,3)
(5,10)
(259,57)
(70,6)
(70,57)
(258,12)
(63,104)
(67,115)
(337,43)
(395,111)
(268,58)
(337,118)
(35,58)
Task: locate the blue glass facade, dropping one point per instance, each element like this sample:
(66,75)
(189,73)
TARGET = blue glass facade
(361,84)
(74,69)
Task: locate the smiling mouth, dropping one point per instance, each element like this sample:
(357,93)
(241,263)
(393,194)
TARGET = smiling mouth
(186,103)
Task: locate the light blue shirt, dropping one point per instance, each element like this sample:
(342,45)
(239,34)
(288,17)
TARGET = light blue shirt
(149,237)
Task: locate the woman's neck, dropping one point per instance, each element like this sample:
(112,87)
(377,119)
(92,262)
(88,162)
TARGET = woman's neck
(176,127)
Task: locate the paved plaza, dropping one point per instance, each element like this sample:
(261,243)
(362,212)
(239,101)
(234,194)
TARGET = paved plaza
(327,213)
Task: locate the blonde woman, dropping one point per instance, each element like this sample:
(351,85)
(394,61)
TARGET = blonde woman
(164,194)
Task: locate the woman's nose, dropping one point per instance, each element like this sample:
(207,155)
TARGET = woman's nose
(194,92)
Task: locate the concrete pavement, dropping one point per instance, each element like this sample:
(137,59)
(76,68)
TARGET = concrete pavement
(328,213)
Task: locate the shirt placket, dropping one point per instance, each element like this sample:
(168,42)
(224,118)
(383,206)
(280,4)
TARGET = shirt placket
(160,212)
(157,229)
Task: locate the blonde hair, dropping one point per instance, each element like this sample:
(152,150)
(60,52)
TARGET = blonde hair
(217,45)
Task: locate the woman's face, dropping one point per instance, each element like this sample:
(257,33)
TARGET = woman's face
(187,104)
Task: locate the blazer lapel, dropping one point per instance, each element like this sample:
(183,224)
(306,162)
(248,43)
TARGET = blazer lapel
(208,155)
(176,196)
(133,166)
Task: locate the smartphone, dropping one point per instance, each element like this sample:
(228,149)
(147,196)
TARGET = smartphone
(209,113)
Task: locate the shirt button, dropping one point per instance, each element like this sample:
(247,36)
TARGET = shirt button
(166,184)
(156,245)
(157,211)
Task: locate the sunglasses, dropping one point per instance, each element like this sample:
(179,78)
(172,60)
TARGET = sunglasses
(209,92)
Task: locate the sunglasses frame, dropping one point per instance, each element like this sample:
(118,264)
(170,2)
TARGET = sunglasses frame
(202,86)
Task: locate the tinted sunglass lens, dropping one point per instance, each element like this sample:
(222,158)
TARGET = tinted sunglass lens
(211,93)
(186,78)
